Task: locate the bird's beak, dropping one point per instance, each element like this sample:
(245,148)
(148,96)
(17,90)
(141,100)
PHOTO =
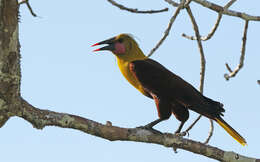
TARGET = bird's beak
(110,46)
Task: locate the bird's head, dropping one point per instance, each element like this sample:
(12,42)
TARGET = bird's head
(123,46)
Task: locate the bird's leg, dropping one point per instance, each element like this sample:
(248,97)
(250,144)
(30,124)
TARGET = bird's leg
(177,132)
(150,126)
(180,127)
(153,123)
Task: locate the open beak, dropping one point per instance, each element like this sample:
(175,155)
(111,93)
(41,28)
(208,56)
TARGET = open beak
(110,46)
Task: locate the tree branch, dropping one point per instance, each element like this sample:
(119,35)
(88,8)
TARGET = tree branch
(213,30)
(136,10)
(28,6)
(220,9)
(242,57)
(211,130)
(202,56)
(167,31)
(210,34)
(41,118)
(172,3)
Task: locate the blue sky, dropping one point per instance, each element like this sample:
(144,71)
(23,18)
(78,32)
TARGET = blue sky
(60,73)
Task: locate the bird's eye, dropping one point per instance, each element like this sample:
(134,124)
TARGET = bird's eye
(120,40)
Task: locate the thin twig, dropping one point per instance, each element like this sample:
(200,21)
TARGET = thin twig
(172,3)
(202,61)
(219,9)
(202,56)
(211,33)
(136,10)
(191,126)
(211,129)
(242,57)
(228,68)
(229,4)
(167,31)
(213,30)
(28,6)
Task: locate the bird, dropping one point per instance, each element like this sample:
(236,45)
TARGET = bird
(172,94)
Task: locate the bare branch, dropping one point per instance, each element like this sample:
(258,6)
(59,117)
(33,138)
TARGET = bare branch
(202,56)
(220,9)
(191,126)
(136,10)
(167,31)
(228,68)
(213,30)
(211,130)
(28,6)
(41,118)
(211,33)
(229,4)
(242,57)
(172,3)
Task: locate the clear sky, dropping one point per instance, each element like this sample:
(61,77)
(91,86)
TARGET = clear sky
(60,73)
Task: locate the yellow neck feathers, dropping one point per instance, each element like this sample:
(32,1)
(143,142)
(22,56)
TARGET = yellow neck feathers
(133,52)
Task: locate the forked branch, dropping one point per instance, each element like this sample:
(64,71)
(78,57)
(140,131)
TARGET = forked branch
(213,30)
(167,31)
(242,56)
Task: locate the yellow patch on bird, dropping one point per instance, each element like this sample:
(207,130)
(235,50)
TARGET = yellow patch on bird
(132,53)
(125,70)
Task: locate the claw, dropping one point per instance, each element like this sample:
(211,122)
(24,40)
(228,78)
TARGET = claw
(182,134)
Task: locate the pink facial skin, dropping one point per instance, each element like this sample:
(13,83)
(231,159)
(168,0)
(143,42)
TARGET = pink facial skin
(119,48)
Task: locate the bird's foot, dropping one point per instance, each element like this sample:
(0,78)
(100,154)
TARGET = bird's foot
(146,127)
(182,134)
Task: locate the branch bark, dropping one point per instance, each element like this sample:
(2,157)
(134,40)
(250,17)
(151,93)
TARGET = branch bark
(41,118)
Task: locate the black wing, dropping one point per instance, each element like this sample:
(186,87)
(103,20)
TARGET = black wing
(158,80)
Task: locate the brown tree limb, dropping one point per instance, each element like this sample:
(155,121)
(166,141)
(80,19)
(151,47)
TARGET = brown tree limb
(42,118)
(242,56)
(167,31)
(136,10)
